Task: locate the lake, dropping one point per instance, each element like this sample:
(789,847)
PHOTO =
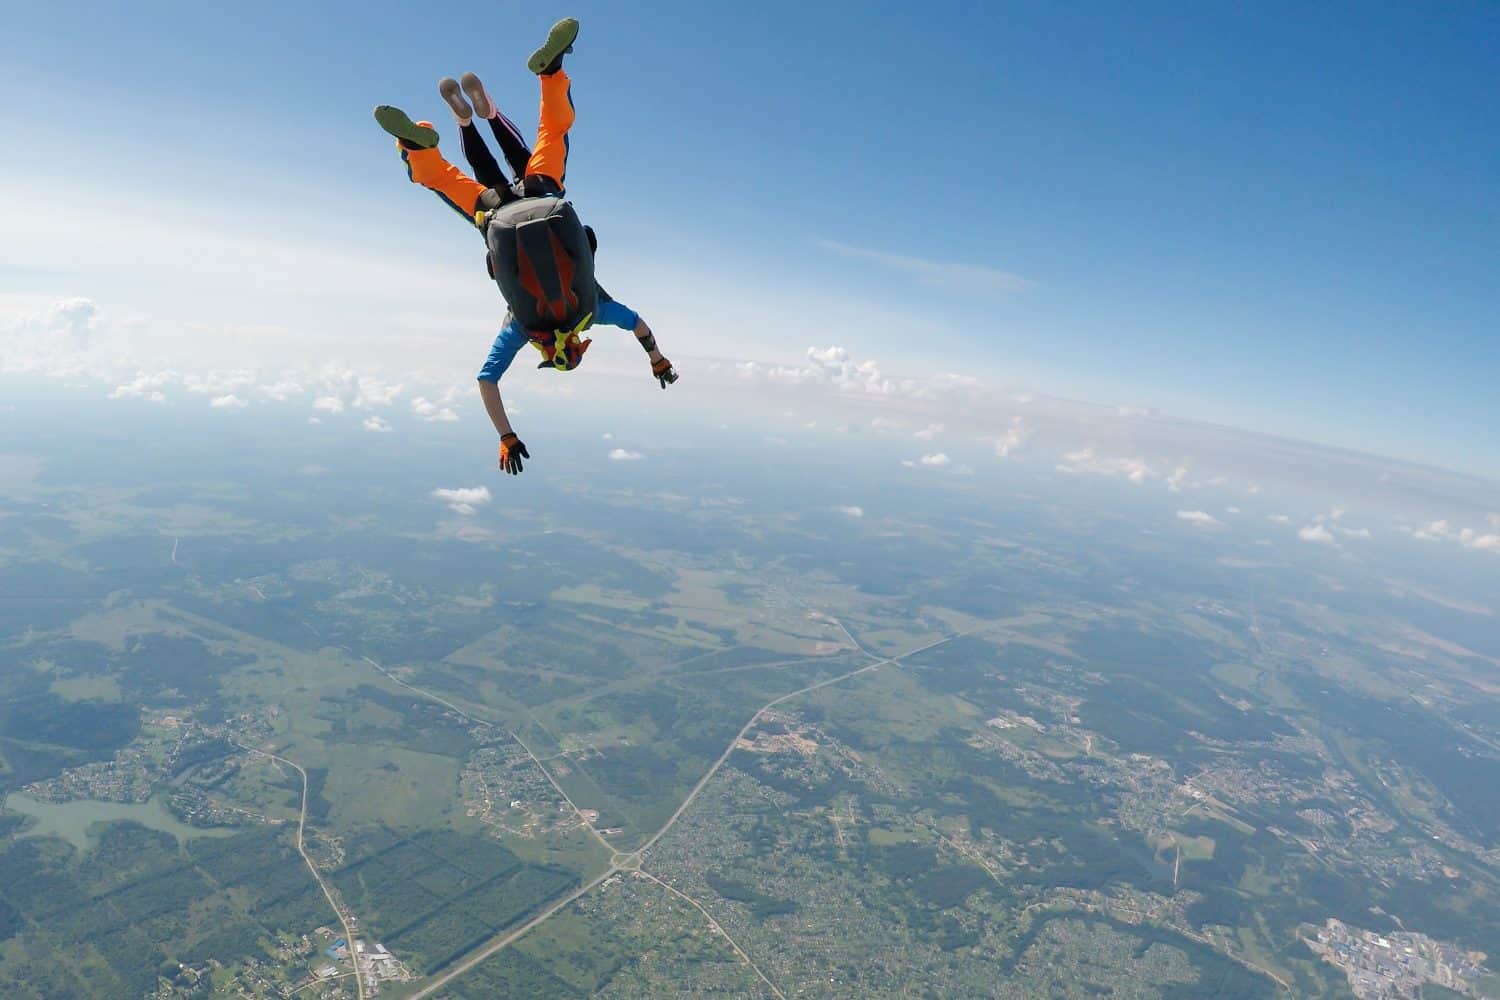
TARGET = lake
(72,820)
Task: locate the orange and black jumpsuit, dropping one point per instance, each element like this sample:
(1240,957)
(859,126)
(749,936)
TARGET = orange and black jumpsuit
(541,170)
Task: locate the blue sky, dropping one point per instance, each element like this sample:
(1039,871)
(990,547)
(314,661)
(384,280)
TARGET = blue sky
(1275,216)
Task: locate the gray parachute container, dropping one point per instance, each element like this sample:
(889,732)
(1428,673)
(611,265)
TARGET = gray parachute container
(539,255)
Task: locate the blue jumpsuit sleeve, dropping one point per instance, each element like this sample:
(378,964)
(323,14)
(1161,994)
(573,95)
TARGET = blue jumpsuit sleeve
(611,313)
(510,340)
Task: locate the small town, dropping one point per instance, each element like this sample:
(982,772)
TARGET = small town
(171,742)
(1396,966)
(314,965)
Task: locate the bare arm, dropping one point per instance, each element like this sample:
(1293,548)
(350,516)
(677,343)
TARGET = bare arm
(490,393)
(512,451)
(661,368)
(647,339)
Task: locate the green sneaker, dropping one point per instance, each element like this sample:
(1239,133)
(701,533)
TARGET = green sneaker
(412,135)
(548,59)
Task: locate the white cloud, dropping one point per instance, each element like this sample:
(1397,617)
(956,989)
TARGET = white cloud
(51,338)
(1014,439)
(1085,461)
(329,404)
(217,382)
(1199,518)
(1317,534)
(373,392)
(377,424)
(427,410)
(934,461)
(282,389)
(624,455)
(1472,538)
(357,391)
(1442,531)
(1435,531)
(929,432)
(464,500)
(1279,518)
(147,386)
(833,367)
(607,436)
(948,275)
(134,392)
(1231,510)
(229,402)
(76,319)
(1333,522)
(851,511)
(1176,480)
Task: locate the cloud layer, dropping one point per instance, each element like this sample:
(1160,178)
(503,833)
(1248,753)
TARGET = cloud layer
(835,367)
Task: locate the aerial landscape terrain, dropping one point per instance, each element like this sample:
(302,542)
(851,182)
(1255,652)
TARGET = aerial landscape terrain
(306,724)
(1026,525)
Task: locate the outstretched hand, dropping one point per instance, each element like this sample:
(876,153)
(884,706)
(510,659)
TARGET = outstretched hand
(663,371)
(511,453)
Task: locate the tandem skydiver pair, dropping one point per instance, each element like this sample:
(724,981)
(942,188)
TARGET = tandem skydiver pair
(538,250)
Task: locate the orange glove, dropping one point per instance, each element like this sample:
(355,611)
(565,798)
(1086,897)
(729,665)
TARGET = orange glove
(511,453)
(663,371)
